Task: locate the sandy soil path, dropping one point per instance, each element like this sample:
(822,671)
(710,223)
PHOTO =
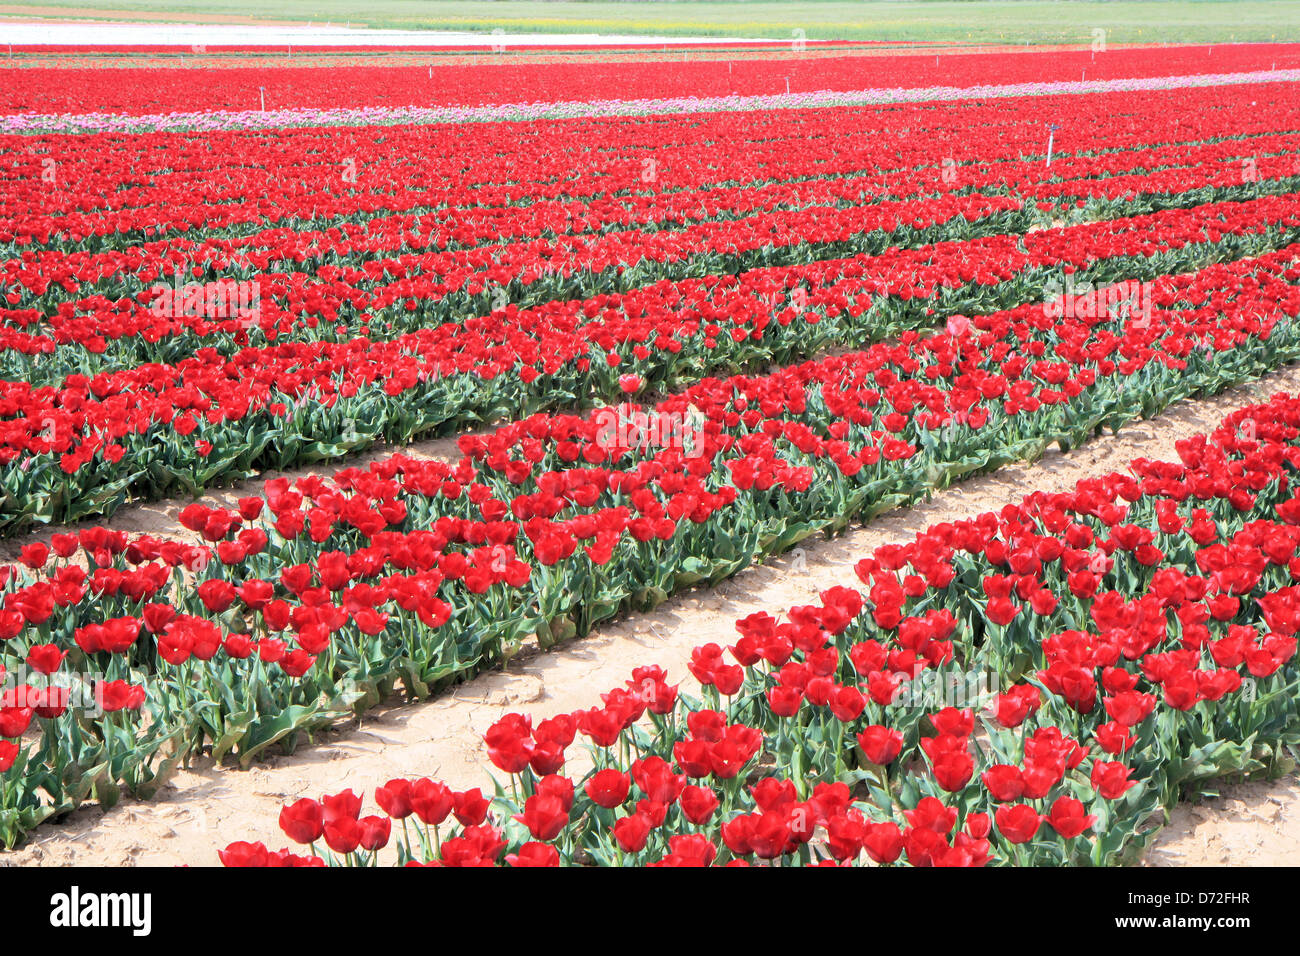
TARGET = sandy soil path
(206,807)
(1249,824)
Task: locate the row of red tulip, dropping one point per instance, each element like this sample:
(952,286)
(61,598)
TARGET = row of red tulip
(313,600)
(593,75)
(268,282)
(83,447)
(1139,631)
(118,191)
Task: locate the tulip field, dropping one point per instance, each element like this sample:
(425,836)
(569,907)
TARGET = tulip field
(676,319)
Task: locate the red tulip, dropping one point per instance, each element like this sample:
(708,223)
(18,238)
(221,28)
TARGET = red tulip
(1017,822)
(880,745)
(303,821)
(1067,817)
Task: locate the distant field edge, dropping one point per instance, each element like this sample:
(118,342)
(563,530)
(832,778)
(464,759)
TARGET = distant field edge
(976,21)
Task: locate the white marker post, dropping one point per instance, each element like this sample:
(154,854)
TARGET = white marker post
(261,91)
(1051,135)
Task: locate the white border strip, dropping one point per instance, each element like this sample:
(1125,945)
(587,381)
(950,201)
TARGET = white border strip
(390,116)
